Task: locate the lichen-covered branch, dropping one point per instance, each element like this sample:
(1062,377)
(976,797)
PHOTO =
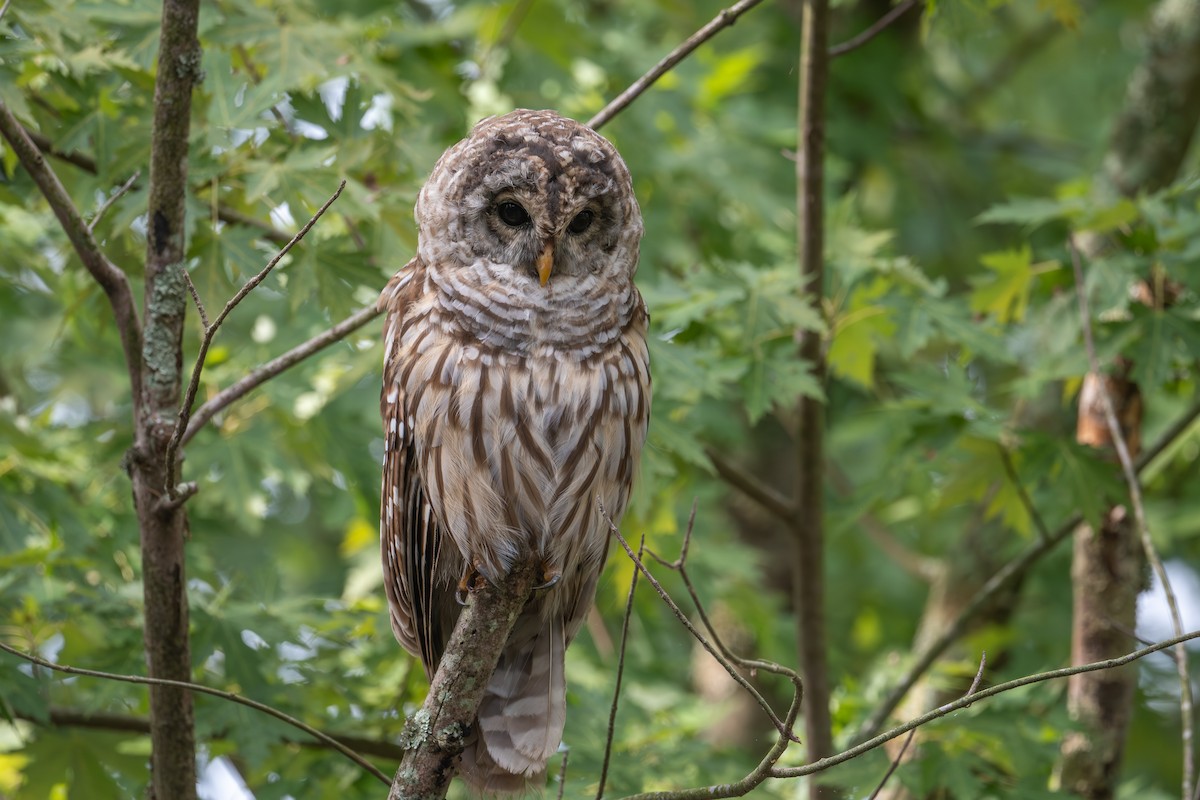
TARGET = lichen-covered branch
(164,527)
(436,734)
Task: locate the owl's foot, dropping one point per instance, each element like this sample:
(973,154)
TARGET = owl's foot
(471,581)
(550,577)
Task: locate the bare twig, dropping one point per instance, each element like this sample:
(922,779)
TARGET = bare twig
(195,293)
(767,769)
(752,486)
(1010,469)
(185,408)
(612,713)
(780,725)
(121,723)
(908,739)
(874,30)
(266,372)
(752,664)
(4,8)
(114,197)
(200,688)
(111,279)
(1129,472)
(724,19)
(562,773)
(1001,580)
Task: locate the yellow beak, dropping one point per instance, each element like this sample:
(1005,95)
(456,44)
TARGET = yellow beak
(545,262)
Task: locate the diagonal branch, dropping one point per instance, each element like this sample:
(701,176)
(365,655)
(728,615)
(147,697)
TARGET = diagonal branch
(752,487)
(234,392)
(781,725)
(122,723)
(185,409)
(612,714)
(723,20)
(111,279)
(200,688)
(878,27)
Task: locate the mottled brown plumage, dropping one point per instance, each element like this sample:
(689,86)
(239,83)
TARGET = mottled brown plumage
(516,391)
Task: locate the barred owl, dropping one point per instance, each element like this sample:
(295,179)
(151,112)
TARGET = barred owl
(516,394)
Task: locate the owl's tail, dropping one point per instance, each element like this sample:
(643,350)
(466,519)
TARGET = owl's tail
(524,708)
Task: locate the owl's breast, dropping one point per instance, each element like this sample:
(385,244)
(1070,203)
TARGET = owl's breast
(516,444)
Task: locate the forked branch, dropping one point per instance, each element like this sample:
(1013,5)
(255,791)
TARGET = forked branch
(210,330)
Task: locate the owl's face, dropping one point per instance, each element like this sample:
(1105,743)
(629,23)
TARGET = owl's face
(538,200)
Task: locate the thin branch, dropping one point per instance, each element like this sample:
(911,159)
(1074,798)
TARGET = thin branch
(234,392)
(870,33)
(185,408)
(991,691)
(111,279)
(911,734)
(724,19)
(325,738)
(114,197)
(1001,580)
(752,487)
(1010,469)
(752,664)
(1168,437)
(4,8)
(562,773)
(767,769)
(780,725)
(612,713)
(891,770)
(121,723)
(1139,515)
(195,293)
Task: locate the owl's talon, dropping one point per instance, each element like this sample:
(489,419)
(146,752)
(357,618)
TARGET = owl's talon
(471,581)
(549,578)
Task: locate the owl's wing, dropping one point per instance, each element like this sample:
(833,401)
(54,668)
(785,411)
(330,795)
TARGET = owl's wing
(410,538)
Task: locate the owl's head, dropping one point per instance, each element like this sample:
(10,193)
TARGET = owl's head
(536,199)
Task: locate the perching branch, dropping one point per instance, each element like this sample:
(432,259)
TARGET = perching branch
(874,30)
(723,20)
(134,725)
(185,409)
(257,377)
(1139,515)
(435,734)
(111,279)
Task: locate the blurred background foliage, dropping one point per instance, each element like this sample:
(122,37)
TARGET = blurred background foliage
(961,148)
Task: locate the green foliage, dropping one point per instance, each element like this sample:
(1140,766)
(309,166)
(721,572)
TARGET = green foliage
(949,317)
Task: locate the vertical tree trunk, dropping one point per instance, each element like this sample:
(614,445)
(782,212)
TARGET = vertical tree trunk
(1149,142)
(809,566)
(163,523)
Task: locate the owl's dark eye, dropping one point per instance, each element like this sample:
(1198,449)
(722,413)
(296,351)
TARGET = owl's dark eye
(512,215)
(582,221)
